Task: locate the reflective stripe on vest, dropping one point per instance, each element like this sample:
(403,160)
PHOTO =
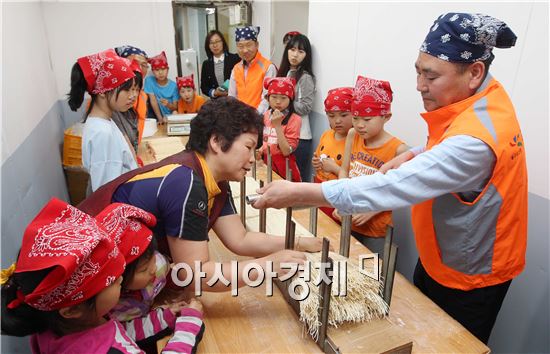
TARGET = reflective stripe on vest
(467,244)
(249,89)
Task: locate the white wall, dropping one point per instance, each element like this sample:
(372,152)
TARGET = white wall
(82,28)
(381,40)
(261,16)
(287,16)
(28,82)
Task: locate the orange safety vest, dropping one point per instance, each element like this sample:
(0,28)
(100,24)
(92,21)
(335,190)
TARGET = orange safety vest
(249,89)
(140,106)
(467,245)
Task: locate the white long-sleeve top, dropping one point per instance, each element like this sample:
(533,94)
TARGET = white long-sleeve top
(105,152)
(459,164)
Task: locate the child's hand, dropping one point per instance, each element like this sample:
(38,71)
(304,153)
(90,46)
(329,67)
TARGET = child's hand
(175,306)
(258,154)
(162,120)
(174,112)
(276,117)
(195,304)
(164,101)
(329,165)
(336,215)
(361,219)
(316,163)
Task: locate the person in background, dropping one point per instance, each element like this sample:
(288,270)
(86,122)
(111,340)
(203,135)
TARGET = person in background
(110,81)
(281,127)
(189,101)
(127,121)
(368,147)
(140,107)
(216,70)
(288,36)
(163,92)
(296,63)
(67,278)
(330,152)
(472,172)
(247,77)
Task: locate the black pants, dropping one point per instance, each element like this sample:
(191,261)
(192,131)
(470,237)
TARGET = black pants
(475,309)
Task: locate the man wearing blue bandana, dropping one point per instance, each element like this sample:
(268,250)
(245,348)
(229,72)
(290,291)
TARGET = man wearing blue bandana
(467,186)
(247,77)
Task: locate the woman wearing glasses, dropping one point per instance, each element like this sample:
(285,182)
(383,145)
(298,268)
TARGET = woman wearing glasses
(217,68)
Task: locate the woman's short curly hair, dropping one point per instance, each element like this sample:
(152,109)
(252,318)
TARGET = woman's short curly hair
(226,118)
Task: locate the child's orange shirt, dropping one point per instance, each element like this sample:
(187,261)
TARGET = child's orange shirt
(367,161)
(333,148)
(193,107)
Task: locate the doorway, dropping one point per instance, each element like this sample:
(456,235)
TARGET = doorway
(194,19)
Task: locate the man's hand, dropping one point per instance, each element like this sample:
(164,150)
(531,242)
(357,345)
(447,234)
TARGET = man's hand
(396,161)
(277,194)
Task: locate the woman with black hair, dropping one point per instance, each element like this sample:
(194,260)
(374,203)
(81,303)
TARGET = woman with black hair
(217,68)
(296,63)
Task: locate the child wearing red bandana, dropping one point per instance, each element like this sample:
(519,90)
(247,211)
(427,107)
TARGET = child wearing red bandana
(111,82)
(189,101)
(368,147)
(67,278)
(163,92)
(281,127)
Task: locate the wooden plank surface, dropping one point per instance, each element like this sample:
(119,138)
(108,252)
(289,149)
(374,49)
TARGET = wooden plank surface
(254,323)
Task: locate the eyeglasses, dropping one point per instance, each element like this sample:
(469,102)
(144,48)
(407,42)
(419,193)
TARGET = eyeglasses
(215,42)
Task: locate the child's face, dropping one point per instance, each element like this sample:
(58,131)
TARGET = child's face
(125,99)
(279,102)
(370,127)
(160,74)
(340,121)
(144,274)
(296,56)
(108,298)
(187,94)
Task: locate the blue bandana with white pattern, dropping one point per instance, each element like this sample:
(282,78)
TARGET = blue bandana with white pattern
(467,38)
(126,50)
(247,33)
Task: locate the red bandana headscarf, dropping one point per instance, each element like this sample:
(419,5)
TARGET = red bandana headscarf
(105,71)
(371,98)
(280,86)
(339,100)
(128,227)
(159,61)
(185,81)
(79,249)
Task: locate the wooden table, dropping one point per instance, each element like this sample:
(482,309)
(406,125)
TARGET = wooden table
(252,322)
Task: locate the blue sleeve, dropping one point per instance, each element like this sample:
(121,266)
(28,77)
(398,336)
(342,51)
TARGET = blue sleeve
(149,85)
(459,164)
(175,93)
